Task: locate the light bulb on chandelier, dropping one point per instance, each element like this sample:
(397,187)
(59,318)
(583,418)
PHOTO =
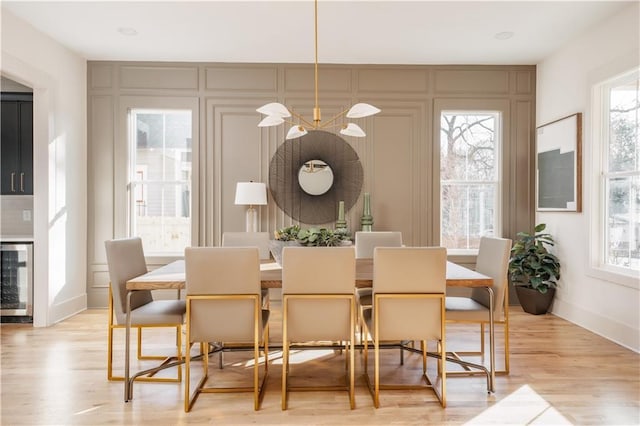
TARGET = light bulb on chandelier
(276,113)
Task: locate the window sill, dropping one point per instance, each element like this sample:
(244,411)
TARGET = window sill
(617,276)
(462,256)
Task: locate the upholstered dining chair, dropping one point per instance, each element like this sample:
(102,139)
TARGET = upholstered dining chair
(409,285)
(248,239)
(223,305)
(125,258)
(318,305)
(365,243)
(493,261)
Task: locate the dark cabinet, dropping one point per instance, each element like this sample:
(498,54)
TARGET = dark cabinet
(16,144)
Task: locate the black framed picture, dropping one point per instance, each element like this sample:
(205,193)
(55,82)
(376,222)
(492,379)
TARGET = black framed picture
(559,165)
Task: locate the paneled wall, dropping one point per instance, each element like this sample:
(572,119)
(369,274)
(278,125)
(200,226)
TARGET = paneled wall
(399,155)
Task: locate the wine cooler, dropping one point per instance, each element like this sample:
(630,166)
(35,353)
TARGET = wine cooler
(16,291)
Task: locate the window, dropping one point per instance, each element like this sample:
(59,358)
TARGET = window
(160,179)
(469,178)
(620,162)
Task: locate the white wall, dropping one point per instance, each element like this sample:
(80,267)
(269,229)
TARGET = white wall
(58,77)
(564,86)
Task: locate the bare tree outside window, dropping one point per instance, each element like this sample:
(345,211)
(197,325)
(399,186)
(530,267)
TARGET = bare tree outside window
(469,177)
(622,174)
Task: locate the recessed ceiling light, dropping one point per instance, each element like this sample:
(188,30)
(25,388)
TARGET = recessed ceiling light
(128,31)
(505,35)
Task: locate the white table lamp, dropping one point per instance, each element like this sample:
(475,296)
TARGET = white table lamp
(251,194)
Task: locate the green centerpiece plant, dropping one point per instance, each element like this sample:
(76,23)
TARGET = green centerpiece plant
(308,237)
(322,237)
(290,233)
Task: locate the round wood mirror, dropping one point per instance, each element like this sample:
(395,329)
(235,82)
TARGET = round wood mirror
(289,190)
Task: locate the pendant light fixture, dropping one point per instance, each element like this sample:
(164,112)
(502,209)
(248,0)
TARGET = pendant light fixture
(276,113)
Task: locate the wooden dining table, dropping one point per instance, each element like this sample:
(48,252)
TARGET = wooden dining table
(172,277)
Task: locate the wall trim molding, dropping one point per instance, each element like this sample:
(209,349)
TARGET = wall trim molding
(68,308)
(622,334)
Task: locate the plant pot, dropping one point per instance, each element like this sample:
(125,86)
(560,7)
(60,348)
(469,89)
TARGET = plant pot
(534,302)
(276,246)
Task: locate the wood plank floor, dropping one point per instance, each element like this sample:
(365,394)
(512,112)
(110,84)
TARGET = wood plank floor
(560,374)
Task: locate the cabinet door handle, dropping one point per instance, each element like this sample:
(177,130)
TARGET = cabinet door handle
(13,184)
(22,182)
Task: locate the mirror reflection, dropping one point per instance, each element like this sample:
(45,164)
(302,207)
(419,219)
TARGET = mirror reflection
(315,177)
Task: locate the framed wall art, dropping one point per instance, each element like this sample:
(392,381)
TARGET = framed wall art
(559,165)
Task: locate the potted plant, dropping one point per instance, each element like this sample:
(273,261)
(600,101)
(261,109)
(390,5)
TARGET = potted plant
(283,237)
(322,237)
(311,237)
(533,270)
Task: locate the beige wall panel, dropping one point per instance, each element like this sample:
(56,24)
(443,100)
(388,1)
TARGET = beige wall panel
(100,186)
(98,298)
(246,79)
(392,174)
(100,76)
(472,81)
(522,189)
(299,79)
(98,286)
(154,77)
(392,80)
(100,277)
(240,153)
(524,82)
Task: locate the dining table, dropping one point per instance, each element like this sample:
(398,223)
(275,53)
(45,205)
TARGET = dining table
(172,277)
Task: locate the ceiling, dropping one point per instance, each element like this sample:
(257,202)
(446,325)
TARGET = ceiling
(353,32)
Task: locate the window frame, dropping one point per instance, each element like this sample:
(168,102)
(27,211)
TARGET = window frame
(123,161)
(598,230)
(497,183)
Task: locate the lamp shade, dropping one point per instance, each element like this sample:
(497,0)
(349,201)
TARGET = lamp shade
(251,193)
(362,110)
(352,129)
(274,108)
(296,132)
(271,120)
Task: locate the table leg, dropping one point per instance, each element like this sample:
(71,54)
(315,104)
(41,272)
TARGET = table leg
(492,347)
(127,395)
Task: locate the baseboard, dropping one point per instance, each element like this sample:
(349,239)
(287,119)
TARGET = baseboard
(67,308)
(615,331)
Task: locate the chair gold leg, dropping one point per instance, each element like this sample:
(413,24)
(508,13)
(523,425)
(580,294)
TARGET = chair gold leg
(285,353)
(179,349)
(110,339)
(187,376)
(352,398)
(506,334)
(482,349)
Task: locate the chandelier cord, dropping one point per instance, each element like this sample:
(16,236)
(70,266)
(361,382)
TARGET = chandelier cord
(316,109)
(276,113)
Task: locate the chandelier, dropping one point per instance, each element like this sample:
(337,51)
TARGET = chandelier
(276,113)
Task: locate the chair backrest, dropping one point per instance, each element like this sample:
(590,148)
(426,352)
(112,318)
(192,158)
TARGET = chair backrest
(493,261)
(223,271)
(366,242)
(407,271)
(320,273)
(248,239)
(125,258)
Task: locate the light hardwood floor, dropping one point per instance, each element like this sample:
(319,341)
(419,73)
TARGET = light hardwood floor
(560,374)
